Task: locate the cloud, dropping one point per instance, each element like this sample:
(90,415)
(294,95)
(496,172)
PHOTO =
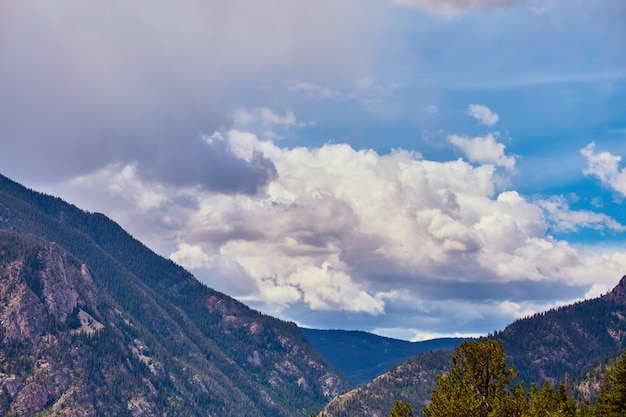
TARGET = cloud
(565,220)
(326,289)
(453,7)
(89,86)
(313,91)
(484,149)
(99,82)
(209,163)
(264,115)
(605,167)
(351,232)
(274,125)
(116,101)
(214,167)
(483,114)
(417,335)
(191,256)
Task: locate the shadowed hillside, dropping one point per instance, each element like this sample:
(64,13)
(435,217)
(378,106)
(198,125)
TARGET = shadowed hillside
(91,319)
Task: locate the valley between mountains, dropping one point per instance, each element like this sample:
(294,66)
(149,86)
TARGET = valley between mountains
(93,323)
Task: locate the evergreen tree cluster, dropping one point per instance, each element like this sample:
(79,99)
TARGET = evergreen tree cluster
(479,384)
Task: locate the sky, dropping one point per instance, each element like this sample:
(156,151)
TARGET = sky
(413,168)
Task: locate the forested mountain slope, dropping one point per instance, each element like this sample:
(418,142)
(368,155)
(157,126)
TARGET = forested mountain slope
(569,340)
(410,382)
(92,320)
(573,342)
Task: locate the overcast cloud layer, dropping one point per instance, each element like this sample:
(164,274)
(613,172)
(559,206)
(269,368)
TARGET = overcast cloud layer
(397,166)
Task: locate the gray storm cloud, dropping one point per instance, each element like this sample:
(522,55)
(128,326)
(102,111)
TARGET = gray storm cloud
(211,163)
(87,85)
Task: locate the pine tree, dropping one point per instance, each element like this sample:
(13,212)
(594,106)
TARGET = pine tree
(476,385)
(612,398)
(401,409)
(584,410)
(551,402)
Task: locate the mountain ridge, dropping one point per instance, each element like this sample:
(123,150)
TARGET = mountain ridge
(570,343)
(191,344)
(362,356)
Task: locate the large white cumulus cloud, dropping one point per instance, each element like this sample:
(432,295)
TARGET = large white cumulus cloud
(339,229)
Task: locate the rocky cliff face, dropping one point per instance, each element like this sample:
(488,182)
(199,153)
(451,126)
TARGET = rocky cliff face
(38,286)
(39,291)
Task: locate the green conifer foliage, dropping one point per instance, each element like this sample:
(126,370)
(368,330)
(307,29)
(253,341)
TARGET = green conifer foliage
(612,397)
(551,402)
(476,385)
(401,409)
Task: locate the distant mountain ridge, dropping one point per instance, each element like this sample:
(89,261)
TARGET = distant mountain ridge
(362,356)
(93,321)
(573,342)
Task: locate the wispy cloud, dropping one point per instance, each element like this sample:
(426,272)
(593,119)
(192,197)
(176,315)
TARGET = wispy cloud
(483,114)
(564,219)
(454,7)
(313,91)
(484,149)
(264,115)
(605,167)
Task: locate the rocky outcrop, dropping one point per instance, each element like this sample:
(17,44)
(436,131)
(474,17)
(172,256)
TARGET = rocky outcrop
(59,281)
(38,292)
(618,294)
(38,287)
(22,314)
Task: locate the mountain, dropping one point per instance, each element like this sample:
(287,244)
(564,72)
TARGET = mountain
(92,322)
(573,343)
(362,356)
(412,381)
(568,341)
